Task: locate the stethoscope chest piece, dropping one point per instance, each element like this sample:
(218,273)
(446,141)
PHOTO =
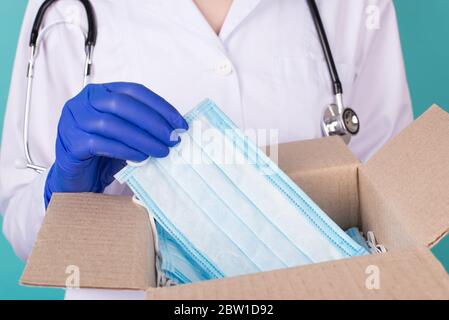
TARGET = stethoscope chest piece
(337,119)
(338,122)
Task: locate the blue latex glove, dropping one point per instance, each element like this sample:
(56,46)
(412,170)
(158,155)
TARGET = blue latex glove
(101,128)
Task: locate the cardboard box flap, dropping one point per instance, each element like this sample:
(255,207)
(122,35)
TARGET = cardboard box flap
(327,171)
(413,274)
(410,176)
(302,157)
(102,241)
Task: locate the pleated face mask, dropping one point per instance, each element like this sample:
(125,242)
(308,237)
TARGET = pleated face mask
(223,208)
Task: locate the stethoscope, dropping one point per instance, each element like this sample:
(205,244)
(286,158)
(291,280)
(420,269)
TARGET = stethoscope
(90,38)
(337,119)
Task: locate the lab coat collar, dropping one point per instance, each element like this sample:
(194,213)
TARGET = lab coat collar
(186,14)
(239,11)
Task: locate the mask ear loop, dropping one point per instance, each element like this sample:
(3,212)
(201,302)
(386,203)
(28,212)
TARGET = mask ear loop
(373,244)
(161,279)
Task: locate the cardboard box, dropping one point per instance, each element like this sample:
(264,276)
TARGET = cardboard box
(402,194)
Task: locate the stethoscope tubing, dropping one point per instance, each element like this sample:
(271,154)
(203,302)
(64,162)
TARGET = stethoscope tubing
(36,34)
(92,32)
(336,83)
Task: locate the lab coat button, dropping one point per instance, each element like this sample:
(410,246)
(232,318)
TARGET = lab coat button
(224,68)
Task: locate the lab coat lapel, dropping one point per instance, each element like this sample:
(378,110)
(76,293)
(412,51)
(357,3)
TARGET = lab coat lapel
(239,11)
(187,15)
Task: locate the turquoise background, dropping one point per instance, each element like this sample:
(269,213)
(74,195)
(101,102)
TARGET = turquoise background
(424,26)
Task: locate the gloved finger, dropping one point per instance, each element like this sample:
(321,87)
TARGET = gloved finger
(115,128)
(151,99)
(103,147)
(133,111)
(82,146)
(110,168)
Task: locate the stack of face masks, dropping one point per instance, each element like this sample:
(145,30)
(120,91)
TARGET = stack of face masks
(223,208)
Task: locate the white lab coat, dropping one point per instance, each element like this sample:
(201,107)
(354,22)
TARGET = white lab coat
(265,70)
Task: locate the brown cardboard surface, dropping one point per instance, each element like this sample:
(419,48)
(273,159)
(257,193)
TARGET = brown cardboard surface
(404,187)
(110,240)
(107,237)
(377,216)
(309,155)
(327,171)
(413,274)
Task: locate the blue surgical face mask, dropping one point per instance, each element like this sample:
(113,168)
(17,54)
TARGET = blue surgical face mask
(174,266)
(223,208)
(355,234)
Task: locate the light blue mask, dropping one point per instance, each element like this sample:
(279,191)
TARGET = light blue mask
(174,264)
(355,234)
(224,209)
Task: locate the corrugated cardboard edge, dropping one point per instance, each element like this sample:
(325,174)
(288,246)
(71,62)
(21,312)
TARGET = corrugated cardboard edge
(410,178)
(410,275)
(102,241)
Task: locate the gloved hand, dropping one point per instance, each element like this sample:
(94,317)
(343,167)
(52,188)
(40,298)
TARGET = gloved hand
(102,127)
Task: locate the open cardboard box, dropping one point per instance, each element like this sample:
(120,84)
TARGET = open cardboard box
(402,194)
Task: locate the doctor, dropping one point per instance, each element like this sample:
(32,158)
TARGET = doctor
(259,60)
